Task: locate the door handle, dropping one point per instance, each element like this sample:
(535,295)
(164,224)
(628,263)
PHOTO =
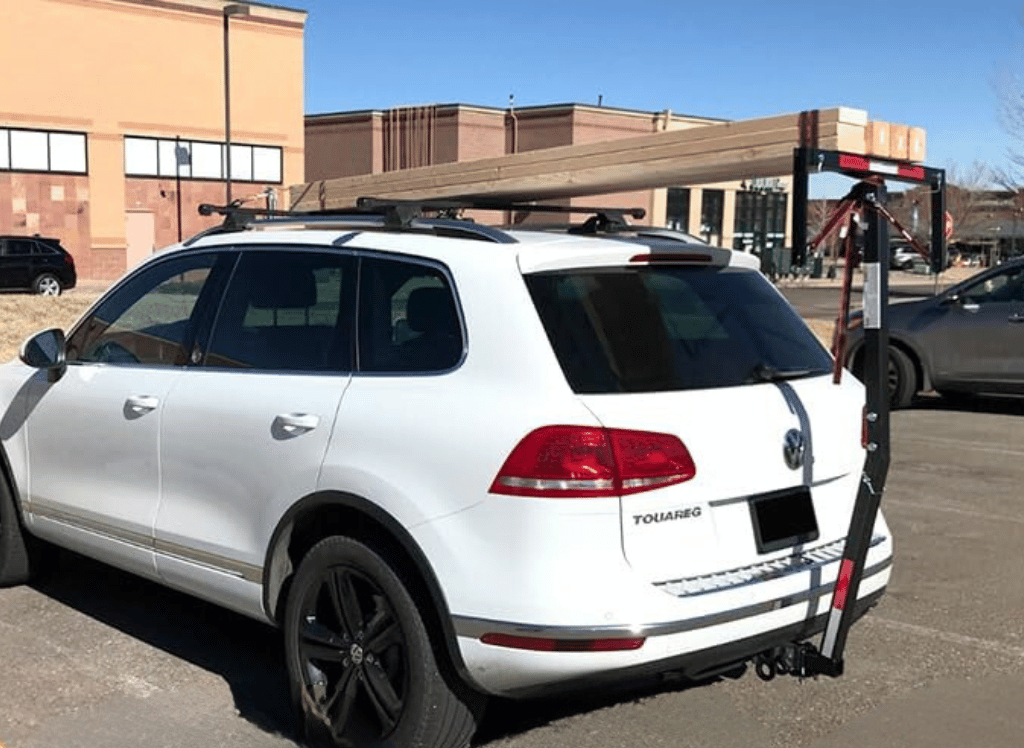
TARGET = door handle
(1016,317)
(294,424)
(139,404)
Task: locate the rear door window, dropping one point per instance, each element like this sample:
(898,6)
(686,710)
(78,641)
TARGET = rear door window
(287,310)
(408,318)
(656,329)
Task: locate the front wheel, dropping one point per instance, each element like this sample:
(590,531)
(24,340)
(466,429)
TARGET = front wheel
(360,661)
(901,377)
(46,284)
(16,558)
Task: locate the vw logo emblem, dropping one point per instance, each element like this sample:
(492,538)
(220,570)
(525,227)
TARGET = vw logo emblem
(793,447)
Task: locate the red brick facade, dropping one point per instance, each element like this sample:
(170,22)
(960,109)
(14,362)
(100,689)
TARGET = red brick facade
(51,205)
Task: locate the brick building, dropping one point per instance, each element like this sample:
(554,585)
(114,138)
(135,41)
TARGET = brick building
(743,215)
(122,120)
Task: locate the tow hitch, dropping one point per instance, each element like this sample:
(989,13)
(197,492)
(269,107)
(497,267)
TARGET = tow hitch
(867,198)
(800,659)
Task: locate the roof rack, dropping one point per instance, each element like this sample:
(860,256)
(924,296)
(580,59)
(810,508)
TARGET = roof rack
(372,213)
(392,218)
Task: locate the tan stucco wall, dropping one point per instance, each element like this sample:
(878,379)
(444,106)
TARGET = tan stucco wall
(155,68)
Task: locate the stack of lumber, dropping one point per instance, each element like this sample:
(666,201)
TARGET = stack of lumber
(704,154)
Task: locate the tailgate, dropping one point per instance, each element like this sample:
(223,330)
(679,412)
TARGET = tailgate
(746,503)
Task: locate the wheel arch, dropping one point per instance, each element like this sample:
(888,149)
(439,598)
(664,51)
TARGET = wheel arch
(328,513)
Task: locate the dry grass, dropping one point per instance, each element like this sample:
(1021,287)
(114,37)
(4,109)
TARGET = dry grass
(22,314)
(823,329)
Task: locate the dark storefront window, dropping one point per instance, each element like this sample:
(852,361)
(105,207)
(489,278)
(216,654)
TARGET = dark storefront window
(677,210)
(760,221)
(711,210)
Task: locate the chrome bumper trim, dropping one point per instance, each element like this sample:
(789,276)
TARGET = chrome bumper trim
(476,627)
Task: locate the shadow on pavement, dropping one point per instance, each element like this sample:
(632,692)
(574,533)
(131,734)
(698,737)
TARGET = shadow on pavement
(1007,405)
(248,655)
(506,718)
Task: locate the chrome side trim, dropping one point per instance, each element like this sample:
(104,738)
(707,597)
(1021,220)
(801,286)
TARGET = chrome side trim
(89,525)
(476,627)
(248,572)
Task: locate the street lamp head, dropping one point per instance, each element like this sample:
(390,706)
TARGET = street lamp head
(236,9)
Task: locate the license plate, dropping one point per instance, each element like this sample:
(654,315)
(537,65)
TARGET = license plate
(783,518)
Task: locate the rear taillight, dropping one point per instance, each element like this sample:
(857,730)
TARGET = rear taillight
(582,461)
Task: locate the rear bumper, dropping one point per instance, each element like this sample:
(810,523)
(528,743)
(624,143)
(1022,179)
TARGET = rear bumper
(731,628)
(696,665)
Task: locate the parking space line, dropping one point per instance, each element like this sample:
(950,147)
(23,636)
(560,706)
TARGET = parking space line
(901,504)
(989,645)
(974,446)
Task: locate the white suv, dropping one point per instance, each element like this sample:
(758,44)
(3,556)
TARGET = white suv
(448,460)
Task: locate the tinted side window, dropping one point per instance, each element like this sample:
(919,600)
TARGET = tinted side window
(21,247)
(148,320)
(287,311)
(408,319)
(1003,287)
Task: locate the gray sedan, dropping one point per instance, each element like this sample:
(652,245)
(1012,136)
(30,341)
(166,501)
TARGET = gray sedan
(967,339)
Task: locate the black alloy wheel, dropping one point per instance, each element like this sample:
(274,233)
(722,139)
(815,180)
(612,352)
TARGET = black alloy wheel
(361,664)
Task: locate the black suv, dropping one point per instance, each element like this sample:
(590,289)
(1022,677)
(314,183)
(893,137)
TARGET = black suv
(36,263)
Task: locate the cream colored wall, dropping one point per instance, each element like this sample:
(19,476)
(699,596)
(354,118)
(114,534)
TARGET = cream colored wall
(136,67)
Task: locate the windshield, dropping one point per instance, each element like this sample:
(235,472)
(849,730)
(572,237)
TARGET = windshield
(652,329)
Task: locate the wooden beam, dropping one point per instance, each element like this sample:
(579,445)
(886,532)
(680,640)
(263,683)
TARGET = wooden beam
(699,155)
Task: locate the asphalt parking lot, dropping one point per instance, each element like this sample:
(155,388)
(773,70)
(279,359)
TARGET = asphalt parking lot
(94,657)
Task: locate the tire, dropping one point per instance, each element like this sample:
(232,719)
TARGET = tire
(360,661)
(902,379)
(15,550)
(46,284)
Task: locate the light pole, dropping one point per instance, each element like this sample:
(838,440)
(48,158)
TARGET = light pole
(233,9)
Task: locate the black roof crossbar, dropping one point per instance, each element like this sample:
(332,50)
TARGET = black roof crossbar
(393,218)
(409,215)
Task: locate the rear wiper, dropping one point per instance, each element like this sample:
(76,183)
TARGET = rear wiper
(768,373)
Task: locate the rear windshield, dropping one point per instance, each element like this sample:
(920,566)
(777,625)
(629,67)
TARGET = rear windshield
(654,329)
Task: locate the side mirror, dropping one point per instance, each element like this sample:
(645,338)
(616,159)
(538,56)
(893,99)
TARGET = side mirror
(45,350)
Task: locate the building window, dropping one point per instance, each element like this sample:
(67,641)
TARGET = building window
(711,210)
(760,221)
(677,209)
(43,150)
(199,159)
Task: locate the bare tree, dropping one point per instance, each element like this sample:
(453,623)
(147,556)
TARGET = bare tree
(967,197)
(967,201)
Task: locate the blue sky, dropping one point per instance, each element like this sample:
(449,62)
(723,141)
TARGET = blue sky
(932,64)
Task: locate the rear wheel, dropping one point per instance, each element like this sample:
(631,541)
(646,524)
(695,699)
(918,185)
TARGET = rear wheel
(46,284)
(362,669)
